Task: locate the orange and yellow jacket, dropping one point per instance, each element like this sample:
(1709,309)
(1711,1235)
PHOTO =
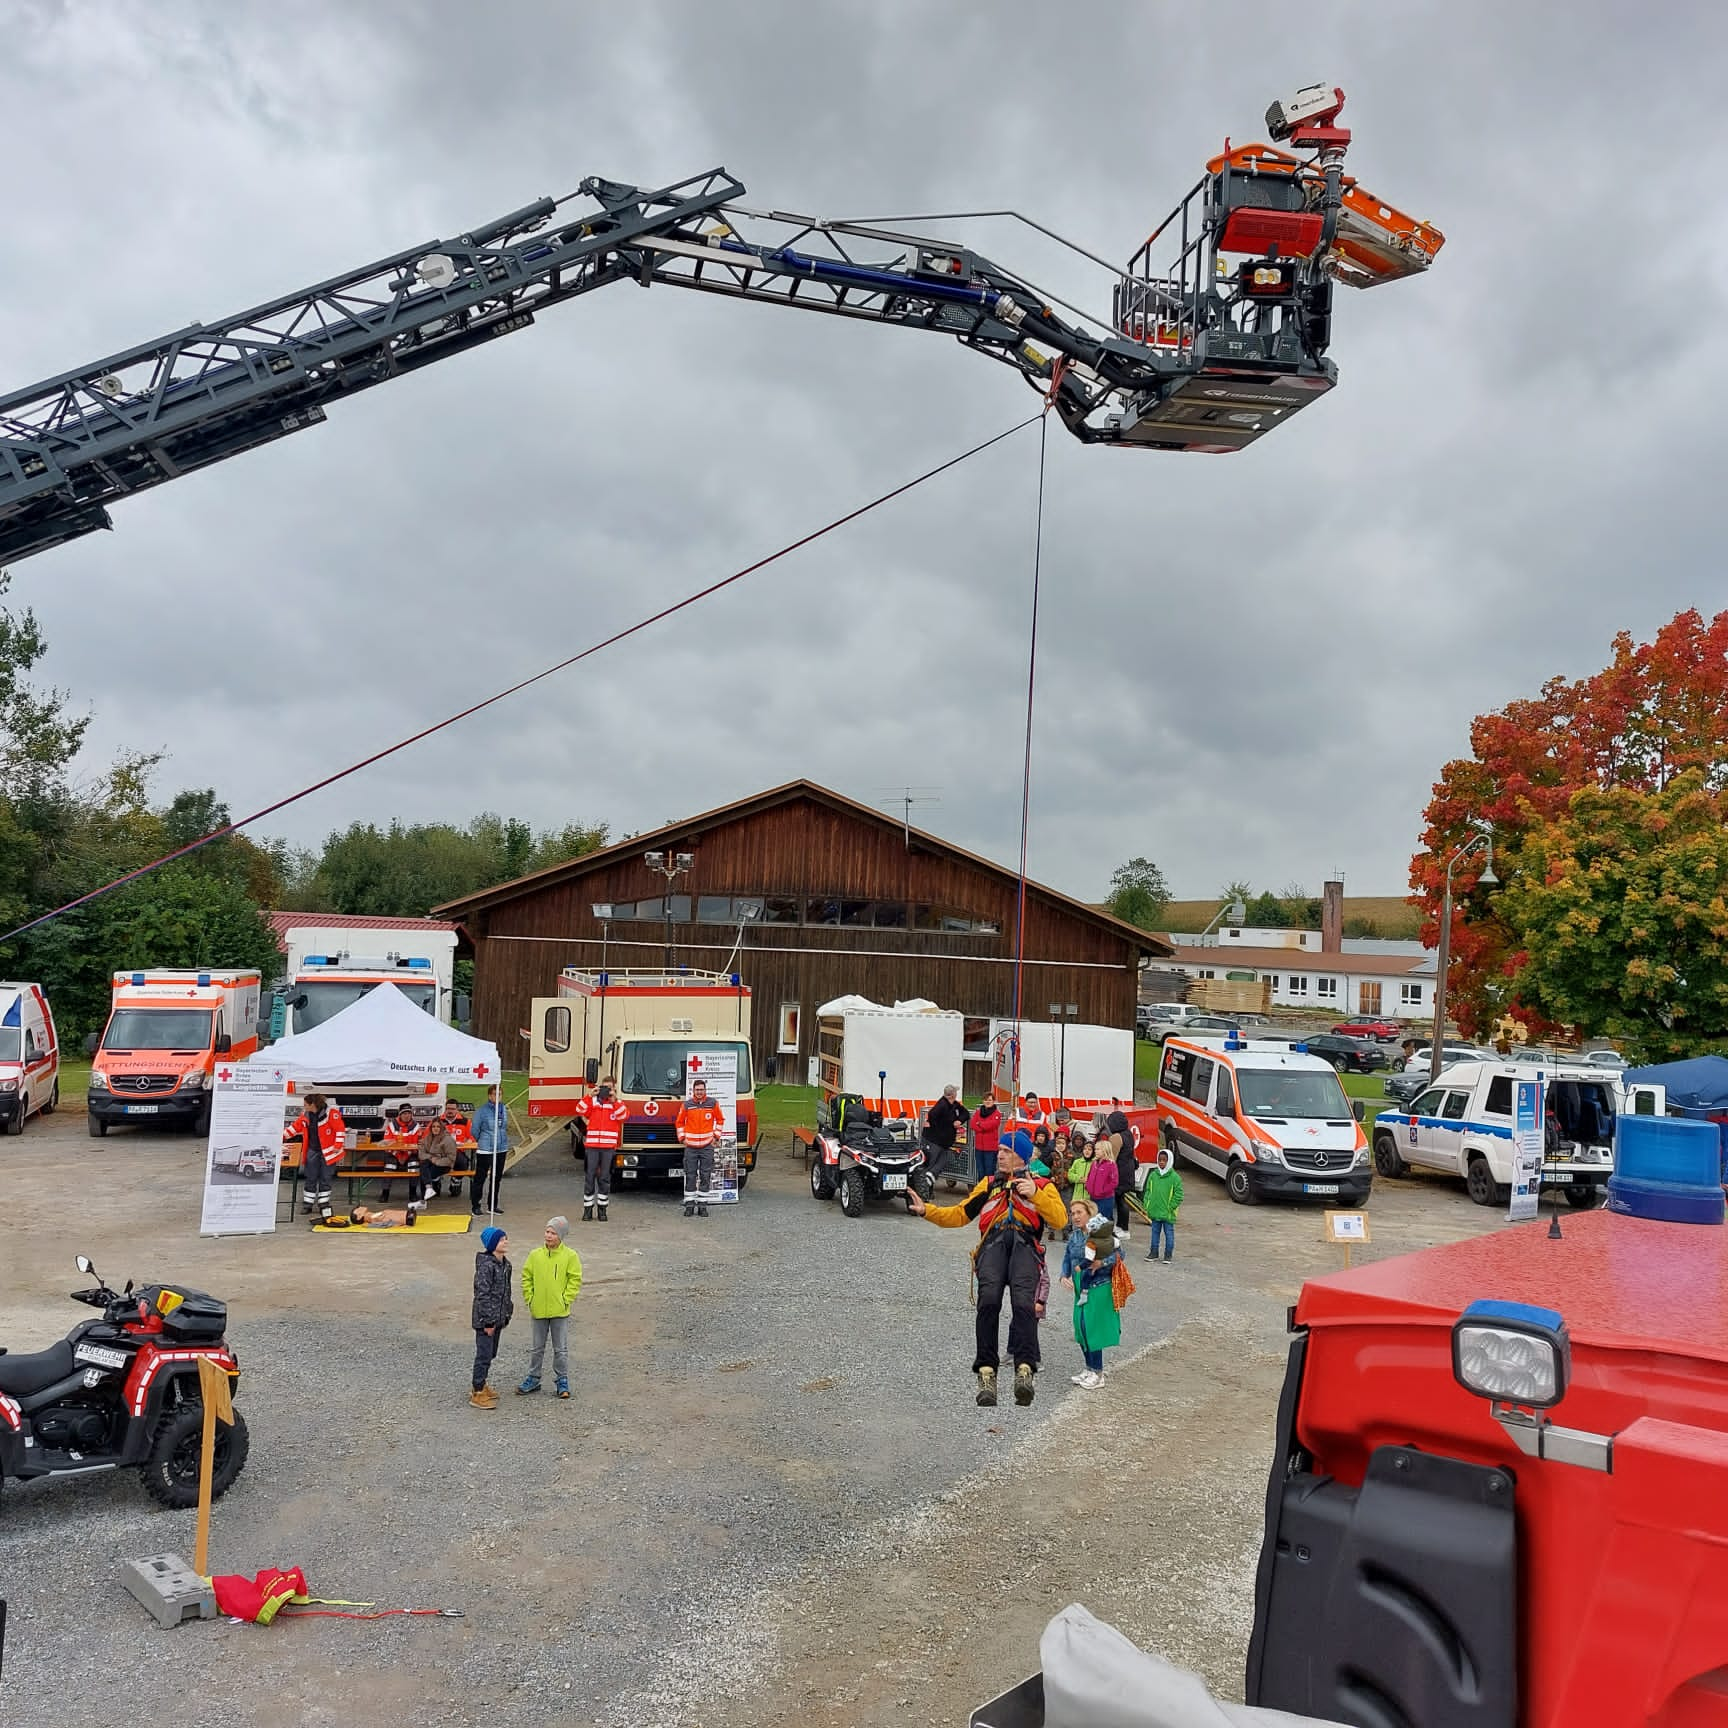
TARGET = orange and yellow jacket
(993,1202)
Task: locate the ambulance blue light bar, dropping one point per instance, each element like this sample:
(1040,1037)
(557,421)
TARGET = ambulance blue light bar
(417,962)
(137,977)
(204,978)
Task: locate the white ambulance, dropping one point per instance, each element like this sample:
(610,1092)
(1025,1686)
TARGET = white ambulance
(29,1056)
(1265,1115)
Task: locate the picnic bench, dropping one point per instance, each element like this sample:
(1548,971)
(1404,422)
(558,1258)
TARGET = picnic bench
(363,1163)
(803,1144)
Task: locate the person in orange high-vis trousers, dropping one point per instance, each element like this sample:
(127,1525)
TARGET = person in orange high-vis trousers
(699,1121)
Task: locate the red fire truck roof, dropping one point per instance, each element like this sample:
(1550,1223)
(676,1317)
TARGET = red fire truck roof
(1621,1283)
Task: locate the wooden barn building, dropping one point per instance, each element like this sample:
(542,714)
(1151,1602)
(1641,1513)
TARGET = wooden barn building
(808,896)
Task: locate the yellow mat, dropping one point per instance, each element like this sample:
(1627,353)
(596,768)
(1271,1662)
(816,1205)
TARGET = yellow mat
(431,1224)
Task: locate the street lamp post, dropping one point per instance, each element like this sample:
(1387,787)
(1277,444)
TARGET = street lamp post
(1063,1014)
(1488,879)
(671,866)
(602,909)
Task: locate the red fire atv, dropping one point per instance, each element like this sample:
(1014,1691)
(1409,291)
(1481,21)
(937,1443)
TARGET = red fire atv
(122,1393)
(1505,1513)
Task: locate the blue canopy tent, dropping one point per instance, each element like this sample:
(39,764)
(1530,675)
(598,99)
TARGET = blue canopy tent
(1697,1086)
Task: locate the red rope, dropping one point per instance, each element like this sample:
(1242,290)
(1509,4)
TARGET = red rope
(561,666)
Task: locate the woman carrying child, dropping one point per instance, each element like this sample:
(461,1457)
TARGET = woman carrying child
(1090,1266)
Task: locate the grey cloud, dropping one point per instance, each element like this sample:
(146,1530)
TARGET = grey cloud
(1255,666)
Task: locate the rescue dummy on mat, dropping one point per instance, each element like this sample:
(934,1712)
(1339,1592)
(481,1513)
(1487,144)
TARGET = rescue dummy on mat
(1012,1211)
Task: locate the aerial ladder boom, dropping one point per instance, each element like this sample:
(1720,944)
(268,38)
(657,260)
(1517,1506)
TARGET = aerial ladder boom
(1202,354)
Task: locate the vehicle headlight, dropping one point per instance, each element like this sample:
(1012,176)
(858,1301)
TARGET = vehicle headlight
(98,1081)
(8,1086)
(1513,1353)
(193,1082)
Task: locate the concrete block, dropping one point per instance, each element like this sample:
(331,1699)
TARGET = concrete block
(169,1588)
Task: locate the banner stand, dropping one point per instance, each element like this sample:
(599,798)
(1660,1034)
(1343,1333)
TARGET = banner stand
(243,1157)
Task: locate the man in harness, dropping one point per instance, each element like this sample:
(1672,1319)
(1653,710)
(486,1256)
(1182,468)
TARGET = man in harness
(1012,1211)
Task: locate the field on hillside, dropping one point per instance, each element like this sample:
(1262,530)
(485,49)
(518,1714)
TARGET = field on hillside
(1390,915)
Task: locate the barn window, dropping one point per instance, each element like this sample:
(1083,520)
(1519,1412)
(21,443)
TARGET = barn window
(781,909)
(788,1028)
(891,915)
(714,909)
(557,1031)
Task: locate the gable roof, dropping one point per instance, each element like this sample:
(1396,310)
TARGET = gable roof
(283,922)
(1234,956)
(791,792)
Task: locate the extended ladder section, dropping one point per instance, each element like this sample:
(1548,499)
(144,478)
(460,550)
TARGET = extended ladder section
(1198,360)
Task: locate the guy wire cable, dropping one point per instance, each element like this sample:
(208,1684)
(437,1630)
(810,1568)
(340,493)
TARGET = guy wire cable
(616,637)
(1026,764)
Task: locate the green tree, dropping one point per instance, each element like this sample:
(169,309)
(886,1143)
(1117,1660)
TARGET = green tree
(1266,912)
(1301,909)
(1139,894)
(1619,912)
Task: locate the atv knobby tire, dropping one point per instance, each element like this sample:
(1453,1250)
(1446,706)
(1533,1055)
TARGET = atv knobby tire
(171,1471)
(852,1193)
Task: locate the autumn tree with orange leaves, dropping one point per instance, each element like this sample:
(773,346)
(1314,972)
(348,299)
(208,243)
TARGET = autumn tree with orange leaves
(1602,793)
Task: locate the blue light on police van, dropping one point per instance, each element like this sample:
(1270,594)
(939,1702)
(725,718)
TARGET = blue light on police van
(1300,1047)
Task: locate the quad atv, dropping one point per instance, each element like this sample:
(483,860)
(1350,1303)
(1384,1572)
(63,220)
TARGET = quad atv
(858,1158)
(122,1392)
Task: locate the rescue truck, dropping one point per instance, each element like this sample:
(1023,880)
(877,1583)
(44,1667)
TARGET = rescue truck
(326,975)
(639,1031)
(29,1056)
(165,1031)
(1267,1117)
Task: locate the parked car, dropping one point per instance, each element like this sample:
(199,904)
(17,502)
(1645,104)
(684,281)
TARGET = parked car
(1347,1055)
(1202,1023)
(1381,1031)
(1465,1125)
(1610,1059)
(1419,1062)
(1414,1079)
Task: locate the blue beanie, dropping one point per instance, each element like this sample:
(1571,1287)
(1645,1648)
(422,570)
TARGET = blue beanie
(490,1237)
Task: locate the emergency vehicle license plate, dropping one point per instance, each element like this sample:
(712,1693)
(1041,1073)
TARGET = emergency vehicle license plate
(143,1109)
(891,1183)
(1319,1187)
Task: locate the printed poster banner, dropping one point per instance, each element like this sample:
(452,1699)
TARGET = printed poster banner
(1526,1149)
(719,1070)
(248,1106)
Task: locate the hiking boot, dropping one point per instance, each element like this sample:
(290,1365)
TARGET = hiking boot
(563,1388)
(1023,1387)
(986,1386)
(527,1386)
(689,1208)
(701,1210)
(484,1399)
(587,1214)
(602,1212)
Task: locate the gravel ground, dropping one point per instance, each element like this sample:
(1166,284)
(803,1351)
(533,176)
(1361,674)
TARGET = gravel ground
(762,1505)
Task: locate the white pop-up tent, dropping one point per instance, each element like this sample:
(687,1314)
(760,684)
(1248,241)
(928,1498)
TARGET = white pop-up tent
(384,1036)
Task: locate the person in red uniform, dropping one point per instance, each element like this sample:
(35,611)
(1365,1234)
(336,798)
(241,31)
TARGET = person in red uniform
(603,1118)
(320,1129)
(1028,1116)
(402,1143)
(699,1121)
(986,1135)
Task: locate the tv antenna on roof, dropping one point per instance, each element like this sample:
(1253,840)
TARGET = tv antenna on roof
(906,797)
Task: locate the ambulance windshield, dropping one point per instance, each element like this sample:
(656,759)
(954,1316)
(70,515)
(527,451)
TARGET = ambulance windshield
(1291,1092)
(655,1068)
(158,1029)
(321,999)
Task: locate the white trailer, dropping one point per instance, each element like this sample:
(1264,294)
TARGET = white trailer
(1083,1068)
(898,1058)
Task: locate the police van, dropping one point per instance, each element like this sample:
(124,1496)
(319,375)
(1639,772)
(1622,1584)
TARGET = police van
(1262,1113)
(1463,1125)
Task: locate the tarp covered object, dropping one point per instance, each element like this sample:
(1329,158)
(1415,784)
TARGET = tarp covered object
(1700,1083)
(384,1036)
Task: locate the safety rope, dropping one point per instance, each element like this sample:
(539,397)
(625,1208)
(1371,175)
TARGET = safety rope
(641,624)
(1026,763)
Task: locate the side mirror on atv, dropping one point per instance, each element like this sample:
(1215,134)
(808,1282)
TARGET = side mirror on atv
(84,1265)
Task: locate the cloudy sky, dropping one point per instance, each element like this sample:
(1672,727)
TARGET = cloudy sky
(1250,666)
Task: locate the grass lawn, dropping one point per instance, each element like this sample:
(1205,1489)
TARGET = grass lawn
(784,1107)
(1370,1089)
(74,1081)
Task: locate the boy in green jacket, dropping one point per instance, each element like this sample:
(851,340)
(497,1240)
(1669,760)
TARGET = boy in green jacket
(1162,1198)
(551,1276)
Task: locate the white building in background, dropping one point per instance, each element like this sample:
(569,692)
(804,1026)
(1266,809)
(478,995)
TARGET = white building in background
(1354,978)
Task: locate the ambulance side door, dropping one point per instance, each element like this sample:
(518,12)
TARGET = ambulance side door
(555,1056)
(1203,1140)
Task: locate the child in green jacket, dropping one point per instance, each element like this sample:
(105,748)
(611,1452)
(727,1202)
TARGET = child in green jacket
(551,1277)
(1161,1198)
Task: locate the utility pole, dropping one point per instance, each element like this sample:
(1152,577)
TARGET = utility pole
(1487,879)
(1063,1013)
(671,866)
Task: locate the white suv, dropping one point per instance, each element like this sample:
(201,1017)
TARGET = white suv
(1463,1124)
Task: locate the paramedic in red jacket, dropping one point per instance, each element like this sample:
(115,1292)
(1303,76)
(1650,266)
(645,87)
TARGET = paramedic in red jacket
(699,1121)
(320,1130)
(603,1118)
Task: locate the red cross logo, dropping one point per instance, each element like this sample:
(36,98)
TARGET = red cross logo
(481,1070)
(695,1063)
(225,1075)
